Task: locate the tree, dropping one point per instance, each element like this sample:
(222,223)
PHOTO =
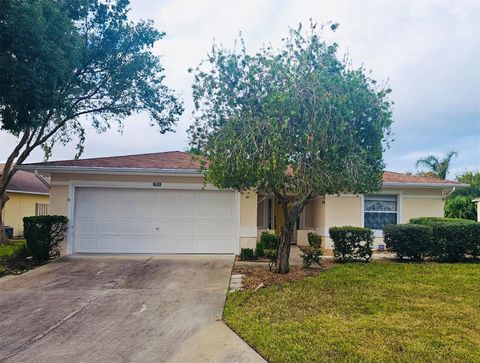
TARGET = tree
(436,167)
(459,204)
(294,122)
(65,62)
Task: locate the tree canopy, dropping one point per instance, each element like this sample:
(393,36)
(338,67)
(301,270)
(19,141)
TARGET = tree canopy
(64,62)
(294,122)
(459,204)
(436,166)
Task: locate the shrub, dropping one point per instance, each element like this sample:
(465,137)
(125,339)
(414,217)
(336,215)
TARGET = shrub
(461,206)
(260,250)
(433,220)
(351,243)
(310,255)
(271,254)
(452,238)
(453,241)
(44,235)
(247,254)
(411,240)
(269,240)
(473,232)
(314,240)
(14,256)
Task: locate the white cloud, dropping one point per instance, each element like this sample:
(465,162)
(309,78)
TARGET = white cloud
(429,50)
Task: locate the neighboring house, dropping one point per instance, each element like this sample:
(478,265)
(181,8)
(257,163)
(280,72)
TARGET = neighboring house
(158,203)
(28,196)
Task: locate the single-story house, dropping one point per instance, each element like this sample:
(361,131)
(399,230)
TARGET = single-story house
(28,196)
(158,203)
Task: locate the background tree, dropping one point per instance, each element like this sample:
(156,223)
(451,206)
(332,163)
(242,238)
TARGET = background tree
(294,122)
(459,204)
(435,166)
(62,62)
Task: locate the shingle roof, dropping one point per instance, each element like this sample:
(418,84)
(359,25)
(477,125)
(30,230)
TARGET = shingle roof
(163,160)
(182,160)
(26,182)
(393,177)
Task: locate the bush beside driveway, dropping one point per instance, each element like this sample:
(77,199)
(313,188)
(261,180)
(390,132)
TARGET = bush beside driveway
(376,312)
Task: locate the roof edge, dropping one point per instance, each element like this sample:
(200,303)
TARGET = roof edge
(187,172)
(108,170)
(25,192)
(426,185)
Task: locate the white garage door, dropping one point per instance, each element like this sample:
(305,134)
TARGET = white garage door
(113,220)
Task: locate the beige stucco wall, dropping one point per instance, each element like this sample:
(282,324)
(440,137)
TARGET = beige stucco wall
(347,209)
(318,214)
(18,206)
(343,210)
(321,214)
(248,219)
(59,200)
(421,207)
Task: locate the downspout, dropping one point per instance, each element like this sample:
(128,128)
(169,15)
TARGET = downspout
(445,196)
(42,179)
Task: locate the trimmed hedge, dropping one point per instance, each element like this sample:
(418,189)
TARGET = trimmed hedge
(313,253)
(409,240)
(449,240)
(351,243)
(269,240)
(454,241)
(314,240)
(428,221)
(260,250)
(247,254)
(44,235)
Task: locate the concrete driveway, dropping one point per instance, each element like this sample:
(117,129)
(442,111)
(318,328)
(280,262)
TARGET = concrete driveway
(120,309)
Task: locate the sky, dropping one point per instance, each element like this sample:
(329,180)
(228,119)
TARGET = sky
(427,50)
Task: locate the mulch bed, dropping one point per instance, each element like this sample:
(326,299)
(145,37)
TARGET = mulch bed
(256,274)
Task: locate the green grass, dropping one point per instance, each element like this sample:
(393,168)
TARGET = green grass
(376,312)
(7,251)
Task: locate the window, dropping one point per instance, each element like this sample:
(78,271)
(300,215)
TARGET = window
(380,210)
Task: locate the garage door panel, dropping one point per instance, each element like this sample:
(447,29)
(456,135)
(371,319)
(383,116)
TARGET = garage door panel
(111,220)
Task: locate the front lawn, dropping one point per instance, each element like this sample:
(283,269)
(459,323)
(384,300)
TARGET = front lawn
(376,312)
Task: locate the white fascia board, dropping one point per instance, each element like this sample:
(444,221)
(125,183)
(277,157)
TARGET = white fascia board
(118,171)
(25,192)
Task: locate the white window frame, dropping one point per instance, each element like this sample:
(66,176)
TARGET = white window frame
(398,194)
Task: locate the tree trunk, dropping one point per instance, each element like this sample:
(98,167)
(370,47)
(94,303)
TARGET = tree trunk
(286,237)
(3,236)
(290,216)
